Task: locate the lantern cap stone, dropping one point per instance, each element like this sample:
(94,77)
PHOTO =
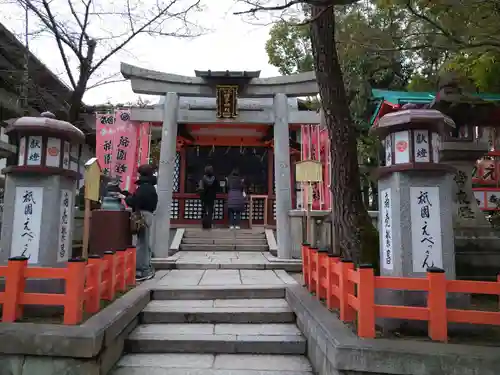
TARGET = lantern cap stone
(413,119)
(46,124)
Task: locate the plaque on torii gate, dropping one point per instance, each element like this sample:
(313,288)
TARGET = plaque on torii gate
(308,172)
(227,101)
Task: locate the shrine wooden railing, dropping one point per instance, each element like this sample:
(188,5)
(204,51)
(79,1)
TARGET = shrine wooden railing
(87,283)
(352,293)
(187,208)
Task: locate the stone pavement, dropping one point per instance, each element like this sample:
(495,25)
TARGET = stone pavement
(197,260)
(217,322)
(225,277)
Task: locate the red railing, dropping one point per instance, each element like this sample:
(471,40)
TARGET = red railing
(352,292)
(186,209)
(87,283)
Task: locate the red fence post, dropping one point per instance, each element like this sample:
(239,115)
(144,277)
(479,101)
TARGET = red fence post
(75,291)
(109,275)
(131,264)
(332,301)
(322,258)
(14,289)
(347,313)
(121,272)
(305,262)
(93,303)
(498,281)
(313,268)
(366,297)
(436,303)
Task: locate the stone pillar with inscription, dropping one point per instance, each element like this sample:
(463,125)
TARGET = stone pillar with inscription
(462,153)
(415,221)
(38,214)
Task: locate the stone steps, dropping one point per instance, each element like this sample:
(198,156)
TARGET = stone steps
(214,292)
(216,322)
(165,264)
(217,338)
(223,233)
(224,241)
(218,311)
(210,364)
(224,247)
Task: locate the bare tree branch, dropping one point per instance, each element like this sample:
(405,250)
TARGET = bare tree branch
(73,23)
(105,83)
(163,11)
(51,23)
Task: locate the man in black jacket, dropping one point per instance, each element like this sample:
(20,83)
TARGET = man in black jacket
(209,186)
(144,200)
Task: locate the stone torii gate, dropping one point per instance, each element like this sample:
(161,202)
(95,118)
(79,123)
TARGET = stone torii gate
(210,84)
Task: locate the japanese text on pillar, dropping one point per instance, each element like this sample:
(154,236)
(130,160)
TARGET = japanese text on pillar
(426,228)
(387,255)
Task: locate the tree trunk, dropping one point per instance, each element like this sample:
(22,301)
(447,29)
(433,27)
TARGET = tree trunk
(85,72)
(365,190)
(355,235)
(75,107)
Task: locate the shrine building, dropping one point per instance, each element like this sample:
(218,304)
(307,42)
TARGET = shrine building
(486,175)
(231,119)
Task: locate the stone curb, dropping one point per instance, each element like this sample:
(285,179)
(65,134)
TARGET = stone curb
(333,347)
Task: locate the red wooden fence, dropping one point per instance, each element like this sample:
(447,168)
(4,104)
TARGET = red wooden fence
(87,283)
(352,292)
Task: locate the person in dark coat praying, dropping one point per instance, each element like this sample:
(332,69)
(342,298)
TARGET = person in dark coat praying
(236,198)
(208,188)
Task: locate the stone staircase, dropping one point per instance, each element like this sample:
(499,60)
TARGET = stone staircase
(224,240)
(216,330)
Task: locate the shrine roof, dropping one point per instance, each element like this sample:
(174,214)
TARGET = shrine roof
(398,97)
(386,99)
(227,74)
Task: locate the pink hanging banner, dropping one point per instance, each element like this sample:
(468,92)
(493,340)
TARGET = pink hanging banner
(316,146)
(104,140)
(142,153)
(144,141)
(317,192)
(327,162)
(305,155)
(116,142)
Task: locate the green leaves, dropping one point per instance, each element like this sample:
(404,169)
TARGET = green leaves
(289,47)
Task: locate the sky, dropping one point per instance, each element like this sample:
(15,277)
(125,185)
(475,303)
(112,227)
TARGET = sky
(230,43)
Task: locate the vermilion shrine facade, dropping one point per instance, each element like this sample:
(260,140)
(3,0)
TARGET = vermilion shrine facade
(228,120)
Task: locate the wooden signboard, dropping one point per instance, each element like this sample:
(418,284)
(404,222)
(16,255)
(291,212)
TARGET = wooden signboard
(92,178)
(308,172)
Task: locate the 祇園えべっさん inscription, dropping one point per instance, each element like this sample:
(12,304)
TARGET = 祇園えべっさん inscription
(27,223)
(65,211)
(387,252)
(425,228)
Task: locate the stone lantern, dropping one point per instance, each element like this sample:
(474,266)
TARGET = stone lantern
(38,215)
(415,204)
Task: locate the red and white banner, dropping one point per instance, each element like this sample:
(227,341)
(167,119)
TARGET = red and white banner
(121,145)
(315,145)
